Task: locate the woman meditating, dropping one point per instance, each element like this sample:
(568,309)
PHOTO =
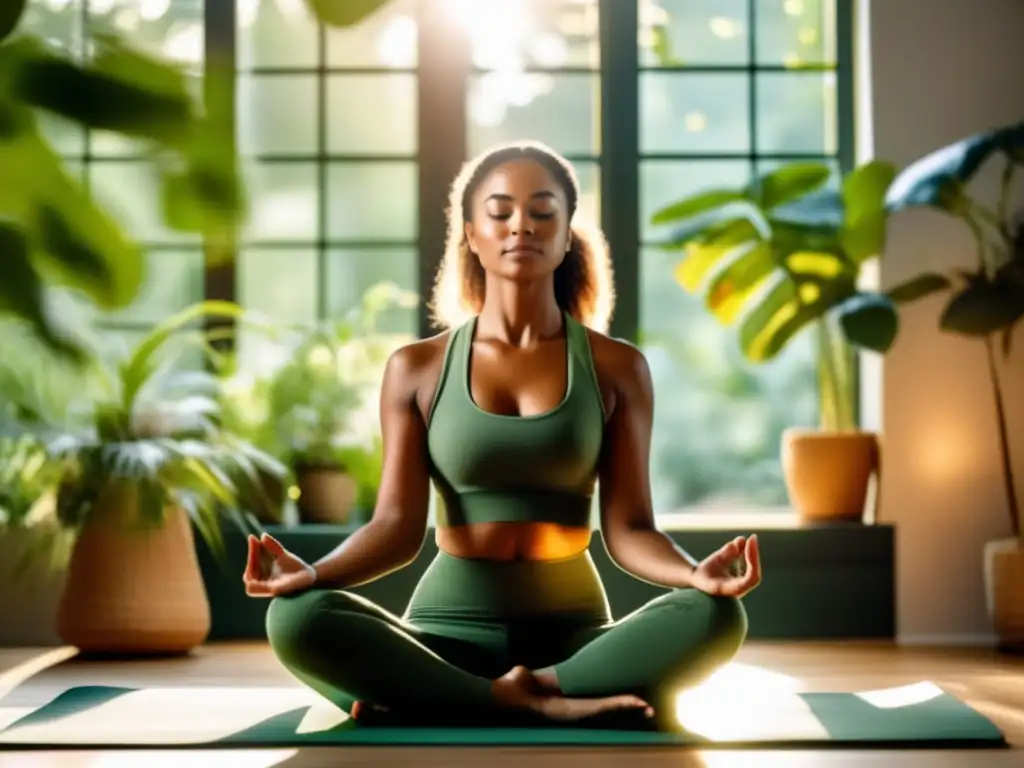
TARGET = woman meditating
(516,413)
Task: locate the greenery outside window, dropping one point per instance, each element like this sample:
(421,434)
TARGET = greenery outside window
(350,139)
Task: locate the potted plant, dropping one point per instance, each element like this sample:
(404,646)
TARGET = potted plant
(322,405)
(784,255)
(985,303)
(147,466)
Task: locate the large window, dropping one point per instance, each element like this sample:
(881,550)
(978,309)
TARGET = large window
(114,170)
(727,89)
(327,127)
(350,140)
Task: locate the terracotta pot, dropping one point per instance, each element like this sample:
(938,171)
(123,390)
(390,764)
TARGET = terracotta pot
(326,495)
(828,473)
(133,588)
(1004,591)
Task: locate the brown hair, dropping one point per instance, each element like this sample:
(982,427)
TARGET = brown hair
(583,281)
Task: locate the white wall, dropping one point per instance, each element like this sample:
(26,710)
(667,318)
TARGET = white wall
(941,70)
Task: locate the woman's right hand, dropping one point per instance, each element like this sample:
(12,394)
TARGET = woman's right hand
(271,570)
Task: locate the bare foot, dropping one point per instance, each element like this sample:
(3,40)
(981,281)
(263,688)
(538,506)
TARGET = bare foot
(368,714)
(520,689)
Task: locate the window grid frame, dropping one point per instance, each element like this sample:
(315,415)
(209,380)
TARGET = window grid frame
(619,73)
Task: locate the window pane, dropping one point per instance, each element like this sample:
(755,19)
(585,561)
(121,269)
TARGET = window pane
(694,113)
(277,114)
(372,114)
(718,419)
(795,32)
(131,191)
(171,30)
(172,281)
(283,202)
(694,32)
(279,284)
(276,34)
(796,112)
(59,23)
(589,206)
(351,271)
(387,38)
(66,137)
(560,110)
(512,34)
(372,201)
(665,182)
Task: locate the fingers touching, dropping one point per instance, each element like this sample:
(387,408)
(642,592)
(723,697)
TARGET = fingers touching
(753,555)
(272,545)
(252,565)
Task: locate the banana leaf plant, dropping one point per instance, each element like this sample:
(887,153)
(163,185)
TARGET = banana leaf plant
(784,254)
(986,302)
(152,426)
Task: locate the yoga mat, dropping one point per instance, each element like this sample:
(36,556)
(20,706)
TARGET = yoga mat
(919,715)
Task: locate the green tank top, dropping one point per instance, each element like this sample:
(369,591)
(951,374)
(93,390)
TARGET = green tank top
(488,467)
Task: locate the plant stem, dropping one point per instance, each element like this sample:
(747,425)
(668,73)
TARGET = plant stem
(834,392)
(1004,440)
(1002,214)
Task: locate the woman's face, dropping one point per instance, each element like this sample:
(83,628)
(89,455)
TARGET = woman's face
(519,226)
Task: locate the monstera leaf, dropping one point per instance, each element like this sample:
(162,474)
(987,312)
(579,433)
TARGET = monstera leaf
(784,252)
(939,178)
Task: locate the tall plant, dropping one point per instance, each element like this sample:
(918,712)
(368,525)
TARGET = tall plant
(784,254)
(986,302)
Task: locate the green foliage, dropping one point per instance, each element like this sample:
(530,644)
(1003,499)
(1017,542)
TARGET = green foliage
(10,13)
(51,230)
(344,13)
(319,407)
(988,299)
(784,253)
(145,426)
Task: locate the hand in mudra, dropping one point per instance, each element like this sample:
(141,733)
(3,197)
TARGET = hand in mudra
(272,570)
(732,571)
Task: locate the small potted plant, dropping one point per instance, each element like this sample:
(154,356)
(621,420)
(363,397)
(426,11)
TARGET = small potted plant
(782,256)
(322,404)
(147,466)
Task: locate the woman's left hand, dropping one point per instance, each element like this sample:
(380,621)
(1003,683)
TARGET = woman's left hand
(717,573)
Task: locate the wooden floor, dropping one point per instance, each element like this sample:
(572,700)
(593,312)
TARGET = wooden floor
(992,683)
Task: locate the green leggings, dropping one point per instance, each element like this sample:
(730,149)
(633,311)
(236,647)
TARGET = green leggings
(470,621)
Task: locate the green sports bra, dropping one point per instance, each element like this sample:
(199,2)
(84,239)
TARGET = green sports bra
(489,467)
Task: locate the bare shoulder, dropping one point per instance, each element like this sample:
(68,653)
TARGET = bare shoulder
(418,357)
(621,366)
(413,370)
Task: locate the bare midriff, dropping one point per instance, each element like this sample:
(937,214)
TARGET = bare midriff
(513,541)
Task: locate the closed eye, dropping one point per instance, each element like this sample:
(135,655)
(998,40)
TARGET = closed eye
(538,215)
